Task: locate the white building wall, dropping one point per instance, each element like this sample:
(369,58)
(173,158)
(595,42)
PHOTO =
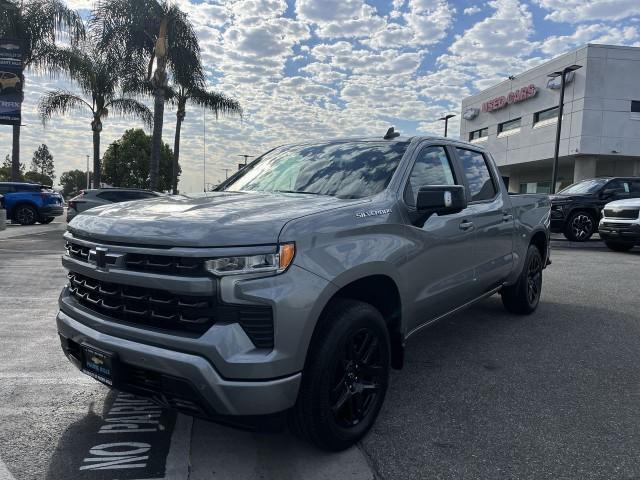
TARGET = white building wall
(597,122)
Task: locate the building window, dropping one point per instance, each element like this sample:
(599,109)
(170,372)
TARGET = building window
(478,134)
(635,109)
(535,187)
(512,126)
(546,116)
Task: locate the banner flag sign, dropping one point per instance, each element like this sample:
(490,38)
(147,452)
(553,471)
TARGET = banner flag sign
(11,81)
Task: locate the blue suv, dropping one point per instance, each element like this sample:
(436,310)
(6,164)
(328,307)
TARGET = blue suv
(28,203)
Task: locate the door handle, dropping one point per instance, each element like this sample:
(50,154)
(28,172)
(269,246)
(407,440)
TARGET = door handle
(507,217)
(466,225)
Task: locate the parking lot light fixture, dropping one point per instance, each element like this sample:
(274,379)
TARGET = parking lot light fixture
(562,74)
(446,122)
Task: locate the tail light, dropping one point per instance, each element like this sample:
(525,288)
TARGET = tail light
(73,202)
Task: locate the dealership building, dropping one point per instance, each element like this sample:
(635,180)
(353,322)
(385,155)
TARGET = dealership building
(516,120)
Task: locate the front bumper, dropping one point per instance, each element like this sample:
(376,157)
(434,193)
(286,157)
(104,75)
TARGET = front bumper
(619,231)
(51,211)
(210,393)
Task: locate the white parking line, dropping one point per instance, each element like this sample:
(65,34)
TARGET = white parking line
(5,474)
(178,459)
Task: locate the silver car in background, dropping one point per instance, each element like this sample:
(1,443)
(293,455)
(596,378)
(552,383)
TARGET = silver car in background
(103,196)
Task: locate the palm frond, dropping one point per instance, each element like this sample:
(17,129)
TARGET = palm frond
(215,101)
(60,102)
(130,107)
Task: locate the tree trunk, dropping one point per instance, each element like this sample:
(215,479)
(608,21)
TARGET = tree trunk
(96,157)
(15,154)
(159,82)
(176,146)
(156,142)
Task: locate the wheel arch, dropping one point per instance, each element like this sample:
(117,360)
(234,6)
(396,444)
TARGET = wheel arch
(382,292)
(541,240)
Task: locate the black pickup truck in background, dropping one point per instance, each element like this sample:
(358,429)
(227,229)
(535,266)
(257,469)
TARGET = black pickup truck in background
(576,210)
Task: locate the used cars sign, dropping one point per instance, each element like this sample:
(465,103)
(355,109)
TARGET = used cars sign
(11,81)
(513,97)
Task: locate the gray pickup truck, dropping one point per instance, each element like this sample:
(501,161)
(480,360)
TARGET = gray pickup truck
(292,290)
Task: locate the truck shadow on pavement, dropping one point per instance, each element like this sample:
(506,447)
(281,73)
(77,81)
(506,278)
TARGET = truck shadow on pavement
(130,439)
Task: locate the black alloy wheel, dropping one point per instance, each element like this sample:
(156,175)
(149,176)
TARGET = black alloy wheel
(580,227)
(25,215)
(534,280)
(345,377)
(357,378)
(523,296)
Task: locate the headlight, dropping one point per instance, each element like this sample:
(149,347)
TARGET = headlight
(265,263)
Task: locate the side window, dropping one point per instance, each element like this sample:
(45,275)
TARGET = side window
(619,188)
(432,167)
(477,173)
(635,188)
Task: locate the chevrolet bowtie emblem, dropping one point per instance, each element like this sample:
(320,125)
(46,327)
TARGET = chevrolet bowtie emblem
(101,257)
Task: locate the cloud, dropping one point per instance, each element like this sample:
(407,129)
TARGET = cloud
(472,10)
(596,33)
(340,18)
(573,11)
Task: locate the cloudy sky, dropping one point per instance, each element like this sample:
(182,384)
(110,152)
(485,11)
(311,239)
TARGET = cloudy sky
(324,68)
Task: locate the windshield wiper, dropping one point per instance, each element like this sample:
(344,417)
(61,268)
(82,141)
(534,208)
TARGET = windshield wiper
(299,191)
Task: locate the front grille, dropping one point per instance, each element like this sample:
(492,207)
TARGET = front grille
(79,252)
(162,264)
(146,306)
(167,311)
(626,226)
(631,213)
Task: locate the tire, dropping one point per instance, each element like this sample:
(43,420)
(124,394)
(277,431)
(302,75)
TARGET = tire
(580,226)
(46,220)
(523,297)
(619,246)
(345,378)
(25,215)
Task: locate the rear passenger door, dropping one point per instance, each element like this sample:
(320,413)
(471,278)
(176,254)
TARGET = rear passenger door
(492,220)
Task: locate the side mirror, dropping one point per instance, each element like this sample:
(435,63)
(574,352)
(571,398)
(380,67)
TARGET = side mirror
(610,192)
(441,199)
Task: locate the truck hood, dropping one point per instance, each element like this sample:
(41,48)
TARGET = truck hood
(219,220)
(627,202)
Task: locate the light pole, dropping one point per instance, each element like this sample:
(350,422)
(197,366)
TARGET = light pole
(446,122)
(88,180)
(562,74)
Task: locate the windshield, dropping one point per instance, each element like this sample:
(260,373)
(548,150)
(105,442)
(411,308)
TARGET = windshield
(586,186)
(340,169)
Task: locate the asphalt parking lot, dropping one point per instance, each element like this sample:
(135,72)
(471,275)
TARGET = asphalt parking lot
(483,395)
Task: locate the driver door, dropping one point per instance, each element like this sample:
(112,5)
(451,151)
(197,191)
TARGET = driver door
(440,268)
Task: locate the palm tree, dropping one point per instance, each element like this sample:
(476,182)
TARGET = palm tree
(152,32)
(98,76)
(37,24)
(217,102)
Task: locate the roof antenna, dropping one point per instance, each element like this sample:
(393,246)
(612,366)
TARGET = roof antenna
(391,133)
